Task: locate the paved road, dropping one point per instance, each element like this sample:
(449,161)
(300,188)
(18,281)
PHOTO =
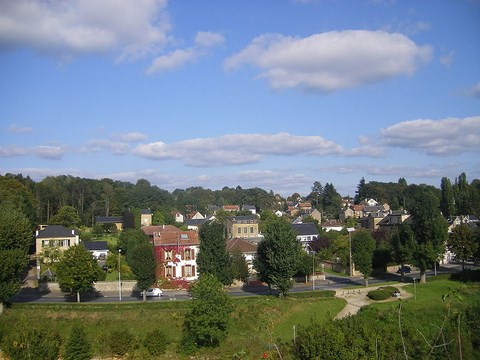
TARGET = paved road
(332,282)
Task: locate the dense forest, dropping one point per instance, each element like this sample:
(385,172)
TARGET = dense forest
(40,201)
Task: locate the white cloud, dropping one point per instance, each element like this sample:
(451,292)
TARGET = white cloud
(15,129)
(331,61)
(67,28)
(181,57)
(475,90)
(97,145)
(130,137)
(447,58)
(42,151)
(238,148)
(451,136)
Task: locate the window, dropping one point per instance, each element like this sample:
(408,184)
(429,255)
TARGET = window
(188,270)
(251,229)
(169,271)
(187,255)
(168,255)
(245,230)
(239,230)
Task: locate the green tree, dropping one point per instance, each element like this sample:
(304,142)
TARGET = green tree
(213,257)
(207,322)
(331,200)
(141,260)
(129,238)
(78,347)
(278,255)
(77,270)
(239,265)
(363,246)
(447,201)
(462,243)
(402,246)
(66,216)
(361,192)
(15,239)
(429,229)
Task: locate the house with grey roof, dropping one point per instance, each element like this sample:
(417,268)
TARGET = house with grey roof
(307,233)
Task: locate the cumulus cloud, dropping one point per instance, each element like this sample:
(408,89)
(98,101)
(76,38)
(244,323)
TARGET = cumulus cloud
(98,145)
(451,136)
(331,61)
(181,57)
(16,129)
(67,28)
(237,148)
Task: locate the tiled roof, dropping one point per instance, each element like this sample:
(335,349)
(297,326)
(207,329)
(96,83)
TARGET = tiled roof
(56,231)
(150,230)
(244,246)
(176,237)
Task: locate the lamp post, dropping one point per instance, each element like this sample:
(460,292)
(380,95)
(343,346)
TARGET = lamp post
(119,277)
(350,264)
(414,289)
(313,271)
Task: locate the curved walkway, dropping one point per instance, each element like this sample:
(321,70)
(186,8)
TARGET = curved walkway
(357,298)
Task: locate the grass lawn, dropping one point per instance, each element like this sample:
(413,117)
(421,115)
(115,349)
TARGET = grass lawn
(257,322)
(331,272)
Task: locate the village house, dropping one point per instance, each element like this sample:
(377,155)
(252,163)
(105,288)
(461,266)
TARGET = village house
(176,252)
(117,220)
(307,233)
(242,226)
(146,217)
(248,249)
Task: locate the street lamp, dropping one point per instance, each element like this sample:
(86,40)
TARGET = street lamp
(350,265)
(414,289)
(119,277)
(313,271)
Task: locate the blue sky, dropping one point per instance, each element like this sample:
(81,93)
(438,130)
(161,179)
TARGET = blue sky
(272,94)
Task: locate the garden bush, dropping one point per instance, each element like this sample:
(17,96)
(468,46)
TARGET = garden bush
(122,341)
(156,342)
(467,276)
(382,293)
(78,346)
(32,344)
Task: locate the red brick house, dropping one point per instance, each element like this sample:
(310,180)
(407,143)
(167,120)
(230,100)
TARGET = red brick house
(176,252)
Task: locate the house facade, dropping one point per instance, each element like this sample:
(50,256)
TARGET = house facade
(242,226)
(307,233)
(248,249)
(53,240)
(146,217)
(176,252)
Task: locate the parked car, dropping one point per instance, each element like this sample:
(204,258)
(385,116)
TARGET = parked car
(154,292)
(404,269)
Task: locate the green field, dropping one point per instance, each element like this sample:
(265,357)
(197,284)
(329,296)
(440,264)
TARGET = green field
(257,322)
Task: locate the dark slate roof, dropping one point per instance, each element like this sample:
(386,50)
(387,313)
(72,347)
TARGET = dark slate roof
(108,219)
(146,211)
(56,231)
(305,229)
(95,245)
(243,217)
(195,222)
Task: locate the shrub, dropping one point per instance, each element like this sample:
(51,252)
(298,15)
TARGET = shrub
(467,276)
(316,294)
(32,344)
(78,347)
(156,342)
(382,293)
(121,341)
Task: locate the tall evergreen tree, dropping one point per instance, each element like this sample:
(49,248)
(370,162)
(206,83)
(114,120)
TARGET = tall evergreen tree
(78,347)
(213,257)
(278,255)
(447,201)
(361,192)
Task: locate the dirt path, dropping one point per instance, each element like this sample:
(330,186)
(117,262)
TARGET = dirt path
(356,298)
